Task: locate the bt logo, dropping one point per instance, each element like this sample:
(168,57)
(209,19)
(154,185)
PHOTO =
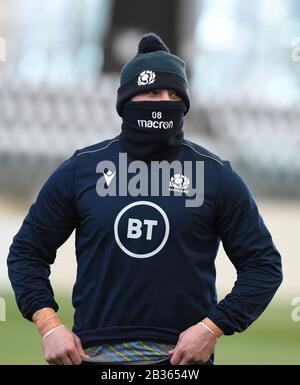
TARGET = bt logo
(135,226)
(141,229)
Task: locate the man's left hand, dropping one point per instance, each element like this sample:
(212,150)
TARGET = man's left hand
(195,346)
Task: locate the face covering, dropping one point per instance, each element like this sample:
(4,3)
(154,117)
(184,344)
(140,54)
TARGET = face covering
(152,130)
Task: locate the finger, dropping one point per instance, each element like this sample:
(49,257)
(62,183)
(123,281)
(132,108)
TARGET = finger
(176,358)
(54,361)
(66,360)
(185,361)
(75,356)
(80,348)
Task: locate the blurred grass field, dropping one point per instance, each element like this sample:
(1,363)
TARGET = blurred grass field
(274,339)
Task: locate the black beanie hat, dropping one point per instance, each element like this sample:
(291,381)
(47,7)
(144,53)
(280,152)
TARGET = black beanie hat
(153,67)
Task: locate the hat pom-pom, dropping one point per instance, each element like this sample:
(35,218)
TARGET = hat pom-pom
(151,43)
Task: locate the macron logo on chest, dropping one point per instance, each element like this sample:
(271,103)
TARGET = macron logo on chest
(108,176)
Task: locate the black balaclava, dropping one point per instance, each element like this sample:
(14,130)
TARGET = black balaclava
(152,130)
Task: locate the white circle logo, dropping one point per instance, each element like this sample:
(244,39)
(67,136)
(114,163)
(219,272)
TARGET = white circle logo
(146,77)
(164,238)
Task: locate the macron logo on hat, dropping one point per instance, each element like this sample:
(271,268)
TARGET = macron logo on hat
(146,77)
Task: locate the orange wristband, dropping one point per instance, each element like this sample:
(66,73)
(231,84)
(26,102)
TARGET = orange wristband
(45,320)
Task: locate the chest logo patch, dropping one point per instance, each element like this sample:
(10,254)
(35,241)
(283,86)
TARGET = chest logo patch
(141,229)
(179,183)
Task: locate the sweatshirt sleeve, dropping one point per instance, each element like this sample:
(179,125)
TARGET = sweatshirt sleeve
(48,224)
(249,246)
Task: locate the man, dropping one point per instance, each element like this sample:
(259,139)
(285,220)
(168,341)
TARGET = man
(149,208)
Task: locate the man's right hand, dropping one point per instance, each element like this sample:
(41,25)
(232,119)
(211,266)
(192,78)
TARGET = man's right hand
(62,347)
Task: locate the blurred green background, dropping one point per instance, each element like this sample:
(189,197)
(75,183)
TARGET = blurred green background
(273,339)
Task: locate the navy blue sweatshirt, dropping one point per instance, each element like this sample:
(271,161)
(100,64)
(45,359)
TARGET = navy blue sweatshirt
(146,263)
